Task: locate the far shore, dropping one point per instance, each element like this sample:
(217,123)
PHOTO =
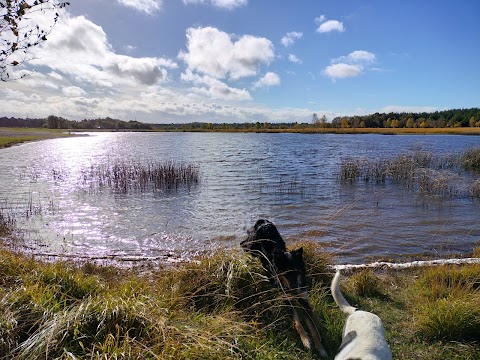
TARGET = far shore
(13,136)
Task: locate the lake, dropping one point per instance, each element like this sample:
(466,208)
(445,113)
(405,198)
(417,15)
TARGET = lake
(291,179)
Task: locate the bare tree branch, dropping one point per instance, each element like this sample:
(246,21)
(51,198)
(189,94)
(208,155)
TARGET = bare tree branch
(18,34)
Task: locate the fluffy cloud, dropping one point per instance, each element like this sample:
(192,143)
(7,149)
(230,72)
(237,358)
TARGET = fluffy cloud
(215,53)
(73,91)
(360,56)
(270,79)
(350,65)
(80,49)
(146,6)
(290,38)
(326,26)
(214,88)
(341,71)
(331,25)
(225,4)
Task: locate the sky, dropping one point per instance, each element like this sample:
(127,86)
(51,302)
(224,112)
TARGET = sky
(180,61)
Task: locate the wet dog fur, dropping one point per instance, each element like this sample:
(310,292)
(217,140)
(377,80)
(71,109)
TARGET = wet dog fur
(363,336)
(286,270)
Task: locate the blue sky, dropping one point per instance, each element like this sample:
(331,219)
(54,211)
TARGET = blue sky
(250,60)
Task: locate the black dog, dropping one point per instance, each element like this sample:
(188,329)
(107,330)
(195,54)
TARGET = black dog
(286,270)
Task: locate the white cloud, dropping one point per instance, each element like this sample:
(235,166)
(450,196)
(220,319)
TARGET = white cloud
(350,65)
(80,49)
(73,91)
(342,71)
(356,57)
(224,4)
(291,37)
(331,25)
(406,109)
(270,79)
(361,56)
(294,59)
(146,6)
(214,53)
(214,88)
(55,75)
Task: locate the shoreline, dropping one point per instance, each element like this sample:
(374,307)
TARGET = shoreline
(171,258)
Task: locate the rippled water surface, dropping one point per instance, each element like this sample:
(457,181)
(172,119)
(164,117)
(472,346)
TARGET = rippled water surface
(291,179)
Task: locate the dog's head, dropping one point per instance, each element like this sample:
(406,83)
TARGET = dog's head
(290,271)
(263,238)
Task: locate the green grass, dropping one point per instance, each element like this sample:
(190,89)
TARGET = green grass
(221,306)
(14,136)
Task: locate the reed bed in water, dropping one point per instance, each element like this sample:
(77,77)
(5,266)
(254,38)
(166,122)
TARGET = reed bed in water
(419,171)
(135,176)
(7,218)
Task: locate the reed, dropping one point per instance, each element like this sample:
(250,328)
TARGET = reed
(285,186)
(7,219)
(419,171)
(471,159)
(136,176)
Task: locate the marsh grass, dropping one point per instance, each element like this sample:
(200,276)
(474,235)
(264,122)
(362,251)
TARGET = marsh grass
(7,219)
(418,171)
(447,304)
(365,284)
(137,176)
(221,306)
(471,159)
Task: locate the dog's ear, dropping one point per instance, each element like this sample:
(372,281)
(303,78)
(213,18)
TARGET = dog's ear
(297,259)
(297,253)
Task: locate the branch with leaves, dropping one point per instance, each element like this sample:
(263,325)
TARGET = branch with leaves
(18,34)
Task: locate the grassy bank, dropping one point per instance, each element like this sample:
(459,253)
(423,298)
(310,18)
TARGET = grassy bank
(222,307)
(13,136)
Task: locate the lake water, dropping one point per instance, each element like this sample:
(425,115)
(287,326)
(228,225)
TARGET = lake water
(291,179)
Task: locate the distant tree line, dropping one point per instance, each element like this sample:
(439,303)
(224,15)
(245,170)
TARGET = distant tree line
(56,122)
(438,119)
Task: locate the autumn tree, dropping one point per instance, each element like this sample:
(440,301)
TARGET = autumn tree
(19,32)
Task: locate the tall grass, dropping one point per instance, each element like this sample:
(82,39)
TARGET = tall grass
(135,176)
(418,171)
(217,307)
(222,306)
(447,303)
